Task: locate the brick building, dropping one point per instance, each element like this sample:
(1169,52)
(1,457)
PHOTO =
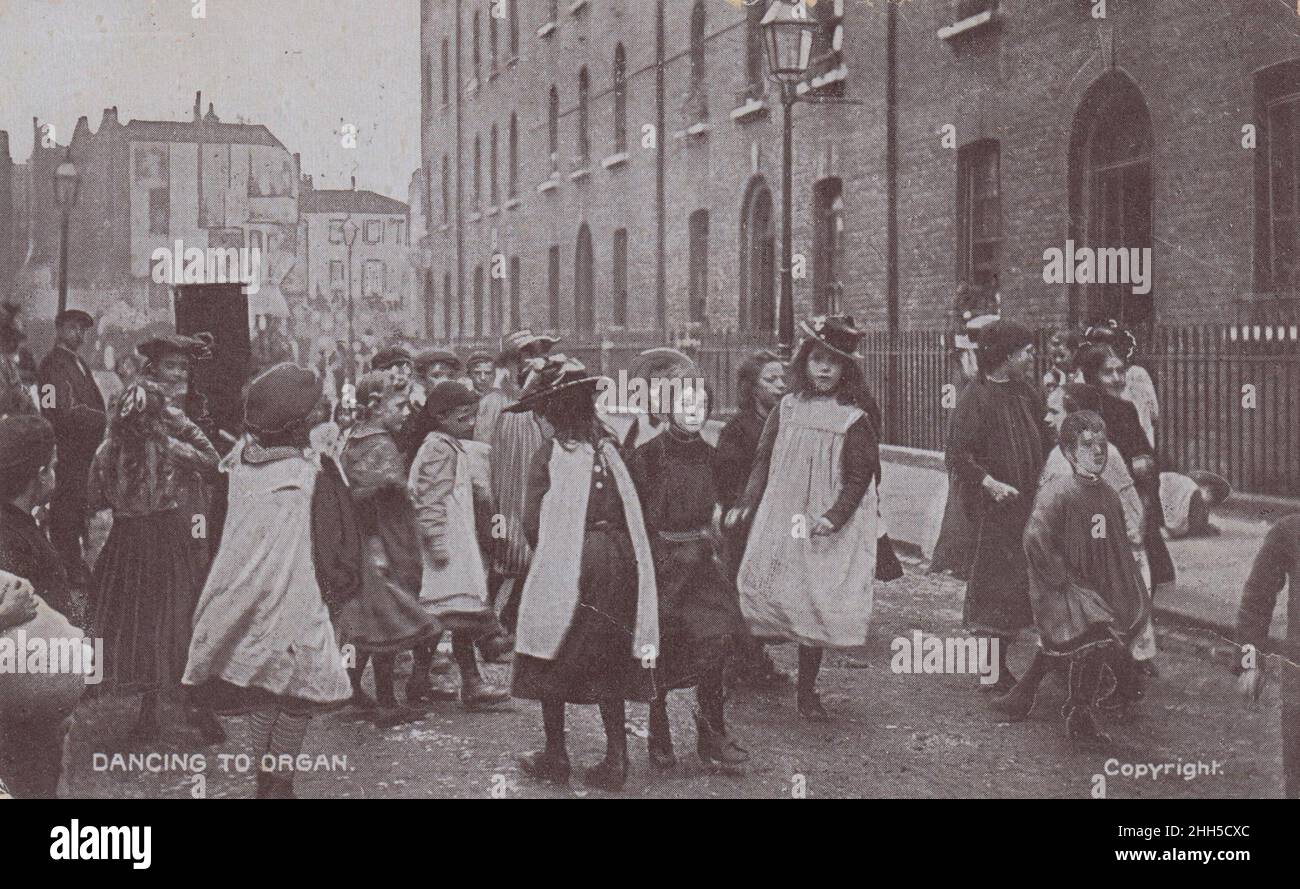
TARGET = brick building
(617,163)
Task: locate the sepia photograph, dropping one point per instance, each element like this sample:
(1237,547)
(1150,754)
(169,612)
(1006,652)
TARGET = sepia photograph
(651,399)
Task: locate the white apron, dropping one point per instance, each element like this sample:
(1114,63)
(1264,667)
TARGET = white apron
(261,621)
(812,590)
(461,585)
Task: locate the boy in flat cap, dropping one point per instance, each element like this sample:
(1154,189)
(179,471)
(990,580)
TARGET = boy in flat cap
(76,410)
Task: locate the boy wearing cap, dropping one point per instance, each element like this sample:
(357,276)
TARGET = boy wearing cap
(77,414)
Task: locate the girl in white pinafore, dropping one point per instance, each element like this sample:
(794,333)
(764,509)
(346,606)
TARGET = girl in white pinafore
(809,564)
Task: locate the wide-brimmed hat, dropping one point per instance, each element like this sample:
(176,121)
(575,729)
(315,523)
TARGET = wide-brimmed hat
(389,358)
(513,344)
(280,397)
(430,357)
(74,316)
(548,377)
(1215,488)
(839,333)
(447,396)
(662,361)
(196,348)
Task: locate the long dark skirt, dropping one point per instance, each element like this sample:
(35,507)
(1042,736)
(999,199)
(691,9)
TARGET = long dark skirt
(699,611)
(147,584)
(595,662)
(952,552)
(997,584)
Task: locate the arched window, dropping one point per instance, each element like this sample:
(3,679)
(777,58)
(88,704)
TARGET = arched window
(494,296)
(430,306)
(446,71)
(476,55)
(757,260)
(620,277)
(620,99)
(1110,192)
(698,266)
(492,168)
(513,12)
(478,301)
(512,180)
(755,85)
(979,217)
(553,129)
(515,284)
(584,314)
(828,226)
(699,84)
(446,306)
(492,42)
(478,171)
(584,140)
(446,190)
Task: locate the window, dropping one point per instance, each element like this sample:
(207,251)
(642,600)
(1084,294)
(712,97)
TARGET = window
(426,82)
(446,305)
(699,98)
(514,293)
(492,168)
(757,260)
(979,216)
(475,53)
(620,277)
(513,12)
(336,272)
(1277,180)
(828,231)
(159,211)
(755,85)
(698,263)
(446,190)
(400,235)
(492,39)
(446,71)
(553,287)
(336,229)
(430,306)
(1110,191)
(553,129)
(620,99)
(584,314)
(584,142)
(478,171)
(478,301)
(512,181)
(374,231)
(494,295)
(373,283)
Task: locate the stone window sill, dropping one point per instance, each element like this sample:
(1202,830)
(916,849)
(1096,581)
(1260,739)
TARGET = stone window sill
(546,30)
(948,32)
(578,174)
(751,109)
(614,160)
(548,185)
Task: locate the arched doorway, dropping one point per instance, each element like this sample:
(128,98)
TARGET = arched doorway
(1110,193)
(757,303)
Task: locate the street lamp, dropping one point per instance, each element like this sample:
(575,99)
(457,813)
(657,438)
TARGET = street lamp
(65,195)
(788,38)
(350,230)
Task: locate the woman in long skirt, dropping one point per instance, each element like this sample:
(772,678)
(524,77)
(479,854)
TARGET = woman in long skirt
(588,629)
(147,577)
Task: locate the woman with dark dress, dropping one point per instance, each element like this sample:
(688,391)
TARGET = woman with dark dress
(588,630)
(760,383)
(1103,367)
(699,611)
(995,451)
(148,576)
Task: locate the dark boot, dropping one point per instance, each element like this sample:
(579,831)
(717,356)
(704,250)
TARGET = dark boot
(660,746)
(545,765)
(208,725)
(717,749)
(611,772)
(1016,704)
(1080,721)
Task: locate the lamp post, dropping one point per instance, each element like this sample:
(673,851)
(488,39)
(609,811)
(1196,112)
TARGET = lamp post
(350,230)
(65,195)
(787,37)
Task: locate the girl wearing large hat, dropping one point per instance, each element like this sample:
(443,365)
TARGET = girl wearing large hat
(148,576)
(290,556)
(699,616)
(817,463)
(588,630)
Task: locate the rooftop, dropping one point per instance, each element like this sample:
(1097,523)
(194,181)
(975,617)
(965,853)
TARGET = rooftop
(346,200)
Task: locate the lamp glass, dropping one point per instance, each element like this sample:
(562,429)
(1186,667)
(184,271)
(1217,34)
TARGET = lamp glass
(788,38)
(350,230)
(65,184)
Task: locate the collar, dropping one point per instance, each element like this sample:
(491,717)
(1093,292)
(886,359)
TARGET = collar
(256,454)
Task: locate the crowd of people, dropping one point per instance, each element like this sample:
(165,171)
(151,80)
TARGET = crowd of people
(609,558)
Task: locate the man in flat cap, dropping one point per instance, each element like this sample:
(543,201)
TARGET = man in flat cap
(72,402)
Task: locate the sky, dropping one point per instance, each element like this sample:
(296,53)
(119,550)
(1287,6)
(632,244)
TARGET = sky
(304,68)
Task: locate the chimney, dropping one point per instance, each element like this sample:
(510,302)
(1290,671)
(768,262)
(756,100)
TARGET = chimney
(211,115)
(354,183)
(82,130)
(4,146)
(198,106)
(110,117)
